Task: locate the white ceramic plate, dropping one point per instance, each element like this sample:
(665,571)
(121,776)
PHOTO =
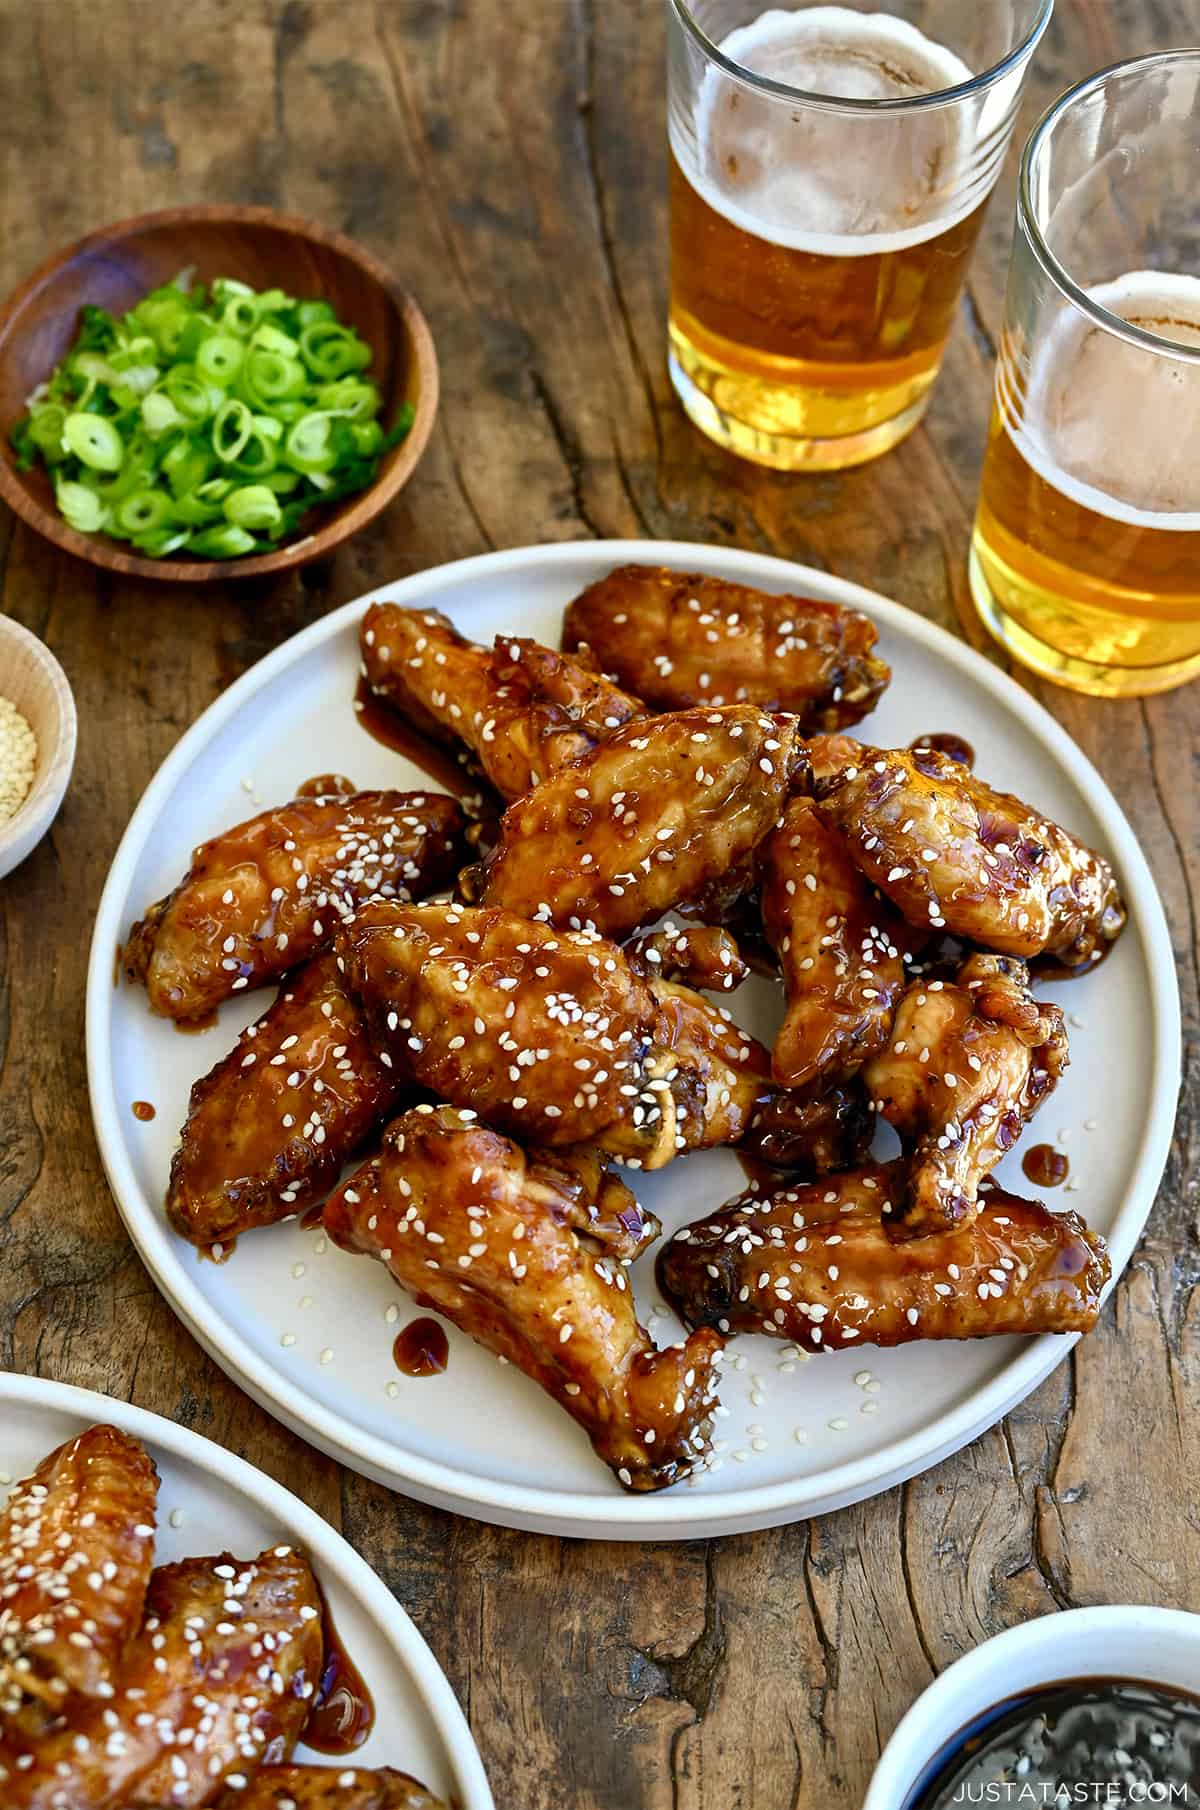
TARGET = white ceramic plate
(211,1502)
(308,1330)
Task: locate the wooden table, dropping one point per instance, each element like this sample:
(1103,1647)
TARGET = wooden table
(510,161)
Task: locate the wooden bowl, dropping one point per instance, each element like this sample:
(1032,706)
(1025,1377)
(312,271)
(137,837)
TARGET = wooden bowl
(116,267)
(32,679)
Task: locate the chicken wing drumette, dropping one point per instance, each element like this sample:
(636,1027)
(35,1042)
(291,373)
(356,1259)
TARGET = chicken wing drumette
(816,1265)
(955,855)
(550,1034)
(969,1063)
(519,711)
(218,1678)
(477,1229)
(269,1127)
(646,822)
(330,1788)
(679,639)
(76,1547)
(840,947)
(266,896)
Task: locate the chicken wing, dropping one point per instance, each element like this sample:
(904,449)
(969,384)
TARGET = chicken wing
(521,711)
(266,896)
(270,1126)
(330,1788)
(701,957)
(816,1265)
(969,1063)
(808,1134)
(953,854)
(840,946)
(679,639)
(473,1227)
(646,822)
(218,1679)
(76,1547)
(550,1034)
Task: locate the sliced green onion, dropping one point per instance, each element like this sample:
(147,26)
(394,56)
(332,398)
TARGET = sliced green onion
(219,357)
(143,512)
(253,506)
(94,441)
(307,447)
(231,429)
(226,542)
(81,507)
(331,350)
(266,389)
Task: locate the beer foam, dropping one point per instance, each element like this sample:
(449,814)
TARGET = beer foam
(838,185)
(1112,426)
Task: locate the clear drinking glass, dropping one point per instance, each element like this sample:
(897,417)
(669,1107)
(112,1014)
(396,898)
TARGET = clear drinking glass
(829,170)
(1085,562)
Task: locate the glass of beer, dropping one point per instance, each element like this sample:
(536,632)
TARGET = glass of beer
(830,166)
(1085,561)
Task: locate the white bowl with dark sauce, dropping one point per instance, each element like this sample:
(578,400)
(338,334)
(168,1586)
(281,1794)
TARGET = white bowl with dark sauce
(1103,1701)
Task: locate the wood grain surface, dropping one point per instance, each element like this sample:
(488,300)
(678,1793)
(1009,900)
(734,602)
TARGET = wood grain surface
(509,162)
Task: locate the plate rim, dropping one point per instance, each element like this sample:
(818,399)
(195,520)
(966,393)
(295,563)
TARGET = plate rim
(330,1549)
(671,1514)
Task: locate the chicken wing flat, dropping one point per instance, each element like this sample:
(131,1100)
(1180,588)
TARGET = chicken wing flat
(476,1229)
(969,1063)
(840,947)
(218,1679)
(816,1265)
(76,1547)
(953,854)
(330,1788)
(519,710)
(646,822)
(680,639)
(269,1127)
(549,1034)
(266,896)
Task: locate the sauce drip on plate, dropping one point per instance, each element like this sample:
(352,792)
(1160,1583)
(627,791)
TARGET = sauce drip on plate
(1045,1166)
(1072,1739)
(389,727)
(956,747)
(422,1349)
(343,1712)
(142,1110)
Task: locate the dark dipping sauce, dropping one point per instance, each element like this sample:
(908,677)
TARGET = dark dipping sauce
(1090,1740)
(1045,1166)
(142,1110)
(422,1349)
(955,747)
(343,1713)
(389,727)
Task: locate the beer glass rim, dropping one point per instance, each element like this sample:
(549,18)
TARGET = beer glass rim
(1028,216)
(836,103)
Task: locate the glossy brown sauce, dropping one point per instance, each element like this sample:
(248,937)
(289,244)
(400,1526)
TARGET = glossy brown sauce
(955,747)
(1049,967)
(142,1110)
(189,1026)
(387,726)
(422,1349)
(327,785)
(1070,1743)
(311,1216)
(343,1713)
(1045,1166)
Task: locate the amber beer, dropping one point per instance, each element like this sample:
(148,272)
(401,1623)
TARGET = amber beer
(1087,539)
(816,265)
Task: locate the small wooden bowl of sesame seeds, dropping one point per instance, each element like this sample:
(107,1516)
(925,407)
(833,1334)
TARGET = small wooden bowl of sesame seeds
(34,697)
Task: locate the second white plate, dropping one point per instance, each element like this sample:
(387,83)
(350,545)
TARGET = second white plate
(212,1502)
(309,1331)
